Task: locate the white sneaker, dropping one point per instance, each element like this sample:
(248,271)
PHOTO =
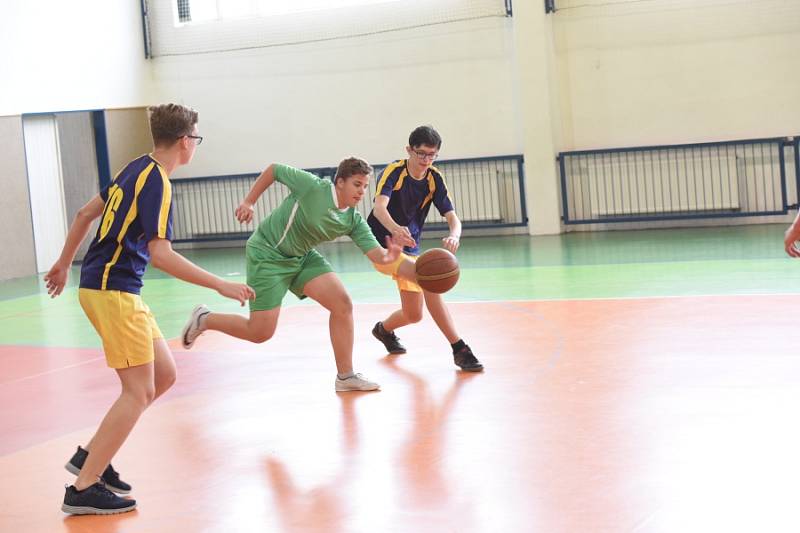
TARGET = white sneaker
(192,328)
(355,382)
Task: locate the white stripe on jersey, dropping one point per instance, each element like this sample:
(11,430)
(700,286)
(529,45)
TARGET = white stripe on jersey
(289,223)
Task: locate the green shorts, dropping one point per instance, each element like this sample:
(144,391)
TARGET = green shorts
(271,274)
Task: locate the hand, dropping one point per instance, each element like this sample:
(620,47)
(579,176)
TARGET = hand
(403,237)
(56,279)
(451,243)
(244,213)
(393,251)
(789,244)
(237,291)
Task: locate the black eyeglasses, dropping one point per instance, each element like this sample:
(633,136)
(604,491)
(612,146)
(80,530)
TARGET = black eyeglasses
(426,155)
(197,138)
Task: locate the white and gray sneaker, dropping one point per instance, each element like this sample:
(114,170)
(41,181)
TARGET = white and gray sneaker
(192,329)
(354,383)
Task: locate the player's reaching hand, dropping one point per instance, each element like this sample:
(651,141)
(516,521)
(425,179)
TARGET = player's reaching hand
(403,237)
(56,279)
(237,291)
(244,213)
(791,248)
(393,250)
(790,241)
(451,243)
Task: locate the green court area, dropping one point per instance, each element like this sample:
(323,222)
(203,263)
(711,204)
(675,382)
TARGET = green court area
(611,264)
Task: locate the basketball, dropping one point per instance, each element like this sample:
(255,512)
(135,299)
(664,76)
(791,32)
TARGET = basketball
(437,270)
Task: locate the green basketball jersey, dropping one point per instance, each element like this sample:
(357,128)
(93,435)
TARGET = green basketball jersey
(309,216)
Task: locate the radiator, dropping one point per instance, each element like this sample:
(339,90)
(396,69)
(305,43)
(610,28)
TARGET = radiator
(632,184)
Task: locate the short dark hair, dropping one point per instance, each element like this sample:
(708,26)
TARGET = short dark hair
(170,122)
(352,166)
(425,135)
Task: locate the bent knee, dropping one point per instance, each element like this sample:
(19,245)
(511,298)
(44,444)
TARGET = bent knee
(261,336)
(412,316)
(167,381)
(143,397)
(343,306)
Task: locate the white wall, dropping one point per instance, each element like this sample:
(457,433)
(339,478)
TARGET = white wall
(626,74)
(674,71)
(63,56)
(313,104)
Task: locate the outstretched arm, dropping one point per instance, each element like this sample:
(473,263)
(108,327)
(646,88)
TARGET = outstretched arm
(399,233)
(452,241)
(388,255)
(244,213)
(166,259)
(385,256)
(56,277)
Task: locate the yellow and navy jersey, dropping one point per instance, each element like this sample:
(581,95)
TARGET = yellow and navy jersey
(138,208)
(409,200)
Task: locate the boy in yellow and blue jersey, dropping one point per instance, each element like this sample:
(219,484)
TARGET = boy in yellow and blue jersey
(135,229)
(406,191)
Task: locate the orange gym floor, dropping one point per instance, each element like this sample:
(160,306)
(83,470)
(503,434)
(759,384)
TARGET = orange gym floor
(629,413)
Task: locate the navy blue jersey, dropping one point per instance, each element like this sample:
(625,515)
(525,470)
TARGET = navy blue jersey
(138,208)
(409,200)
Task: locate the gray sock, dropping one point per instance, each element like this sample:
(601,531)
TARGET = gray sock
(345,376)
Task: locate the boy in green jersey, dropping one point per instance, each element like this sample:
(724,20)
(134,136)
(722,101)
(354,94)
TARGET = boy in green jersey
(281,257)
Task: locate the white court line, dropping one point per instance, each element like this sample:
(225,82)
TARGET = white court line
(395,302)
(51,371)
(602,298)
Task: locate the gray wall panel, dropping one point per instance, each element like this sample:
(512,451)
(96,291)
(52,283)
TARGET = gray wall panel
(128,132)
(78,166)
(16,228)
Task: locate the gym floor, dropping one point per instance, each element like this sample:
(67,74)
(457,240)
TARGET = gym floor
(637,381)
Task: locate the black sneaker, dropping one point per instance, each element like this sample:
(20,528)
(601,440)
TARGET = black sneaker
(110,476)
(95,499)
(389,340)
(465,359)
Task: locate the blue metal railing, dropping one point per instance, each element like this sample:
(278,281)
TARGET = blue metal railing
(687,181)
(488,192)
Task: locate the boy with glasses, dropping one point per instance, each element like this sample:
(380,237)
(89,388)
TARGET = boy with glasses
(403,198)
(136,228)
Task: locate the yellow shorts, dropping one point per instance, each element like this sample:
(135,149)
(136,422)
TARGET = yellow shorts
(124,323)
(391,270)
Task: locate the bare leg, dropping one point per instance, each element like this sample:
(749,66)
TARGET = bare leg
(163,370)
(164,367)
(411,302)
(409,313)
(258,327)
(328,290)
(138,392)
(438,310)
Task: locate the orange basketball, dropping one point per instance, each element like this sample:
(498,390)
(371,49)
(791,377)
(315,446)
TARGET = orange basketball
(437,270)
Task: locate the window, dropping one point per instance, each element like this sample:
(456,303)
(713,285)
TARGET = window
(183,27)
(198,11)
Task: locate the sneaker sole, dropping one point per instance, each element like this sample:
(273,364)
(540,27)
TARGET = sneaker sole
(473,369)
(72,509)
(348,389)
(72,469)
